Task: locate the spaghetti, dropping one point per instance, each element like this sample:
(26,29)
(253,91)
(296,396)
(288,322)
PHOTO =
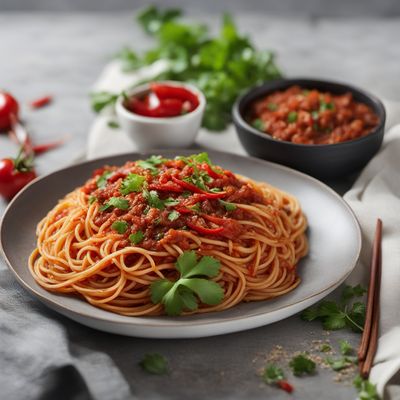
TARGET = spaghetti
(111,239)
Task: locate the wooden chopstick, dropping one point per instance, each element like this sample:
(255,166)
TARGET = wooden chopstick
(369,339)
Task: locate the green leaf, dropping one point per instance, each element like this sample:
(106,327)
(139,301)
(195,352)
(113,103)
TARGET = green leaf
(310,314)
(102,180)
(159,289)
(120,226)
(209,292)
(116,202)
(345,347)
(272,106)
(153,199)
(129,59)
(151,164)
(101,100)
(258,123)
(186,262)
(334,322)
(292,117)
(113,124)
(207,266)
(92,199)
(188,298)
(173,215)
(132,183)
(154,364)
(273,374)
(228,206)
(338,364)
(325,347)
(366,389)
(152,19)
(301,364)
(136,237)
(350,292)
(170,202)
(173,303)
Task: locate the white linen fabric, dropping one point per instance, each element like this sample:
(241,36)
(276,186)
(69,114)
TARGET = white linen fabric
(375,194)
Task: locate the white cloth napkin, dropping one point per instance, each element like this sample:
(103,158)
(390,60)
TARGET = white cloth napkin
(375,194)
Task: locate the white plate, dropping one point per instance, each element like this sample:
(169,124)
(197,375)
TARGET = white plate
(334,237)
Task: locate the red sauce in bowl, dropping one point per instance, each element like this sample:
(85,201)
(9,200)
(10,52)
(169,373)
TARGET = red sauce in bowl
(311,117)
(163,101)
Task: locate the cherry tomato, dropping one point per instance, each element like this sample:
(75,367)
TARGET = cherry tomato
(8,107)
(14,175)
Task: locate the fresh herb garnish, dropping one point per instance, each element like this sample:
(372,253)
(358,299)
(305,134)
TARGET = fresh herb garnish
(325,347)
(345,347)
(315,115)
(341,363)
(272,106)
(153,199)
(102,180)
(301,364)
(132,183)
(113,124)
(258,123)
(101,100)
(154,364)
(173,215)
(151,163)
(184,293)
(338,315)
(292,117)
(92,199)
(116,202)
(228,206)
(120,226)
(136,237)
(273,374)
(366,389)
(221,67)
(170,202)
(196,208)
(323,106)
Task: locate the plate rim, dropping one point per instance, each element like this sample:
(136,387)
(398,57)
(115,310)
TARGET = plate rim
(130,320)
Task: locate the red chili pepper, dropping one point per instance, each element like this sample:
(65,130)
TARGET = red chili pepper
(42,148)
(41,102)
(176,92)
(211,172)
(205,231)
(286,386)
(184,210)
(216,220)
(166,108)
(195,189)
(168,187)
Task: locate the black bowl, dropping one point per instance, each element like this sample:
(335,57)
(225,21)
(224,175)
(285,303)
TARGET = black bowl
(323,161)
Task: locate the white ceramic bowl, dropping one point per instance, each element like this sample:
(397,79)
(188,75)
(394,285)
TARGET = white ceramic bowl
(172,132)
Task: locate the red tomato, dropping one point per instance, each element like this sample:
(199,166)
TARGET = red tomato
(12,180)
(8,107)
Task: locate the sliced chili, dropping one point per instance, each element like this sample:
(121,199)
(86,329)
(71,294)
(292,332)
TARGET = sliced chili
(286,386)
(205,231)
(211,172)
(195,189)
(41,102)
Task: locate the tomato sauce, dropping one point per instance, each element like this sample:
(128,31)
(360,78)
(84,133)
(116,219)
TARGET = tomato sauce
(174,196)
(312,117)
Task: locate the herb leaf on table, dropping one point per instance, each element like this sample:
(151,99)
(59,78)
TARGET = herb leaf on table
(154,363)
(338,315)
(301,364)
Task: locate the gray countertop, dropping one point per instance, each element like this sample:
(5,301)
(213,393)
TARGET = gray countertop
(62,54)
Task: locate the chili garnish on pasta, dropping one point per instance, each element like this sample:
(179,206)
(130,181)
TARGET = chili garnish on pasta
(111,239)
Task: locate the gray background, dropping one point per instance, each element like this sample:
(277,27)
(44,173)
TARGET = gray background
(62,53)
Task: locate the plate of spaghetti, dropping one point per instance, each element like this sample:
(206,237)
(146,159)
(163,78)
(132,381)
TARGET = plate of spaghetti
(175,244)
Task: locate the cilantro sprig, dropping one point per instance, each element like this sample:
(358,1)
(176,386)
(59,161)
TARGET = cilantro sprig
(338,315)
(154,363)
(132,183)
(273,374)
(115,202)
(192,285)
(102,179)
(366,389)
(151,164)
(120,226)
(301,364)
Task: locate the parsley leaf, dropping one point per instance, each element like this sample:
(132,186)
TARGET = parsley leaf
(102,179)
(92,199)
(101,100)
(345,347)
(136,237)
(258,123)
(170,202)
(339,364)
(366,389)
(151,18)
(301,364)
(273,374)
(113,124)
(154,363)
(292,117)
(228,206)
(132,183)
(335,315)
(325,347)
(183,293)
(153,199)
(173,215)
(120,226)
(116,202)
(151,163)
